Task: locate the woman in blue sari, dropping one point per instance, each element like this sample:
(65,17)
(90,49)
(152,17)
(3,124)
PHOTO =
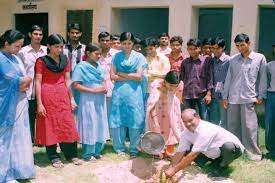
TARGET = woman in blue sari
(88,80)
(127,105)
(16,156)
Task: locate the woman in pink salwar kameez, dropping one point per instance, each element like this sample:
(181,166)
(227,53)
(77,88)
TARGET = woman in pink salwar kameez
(164,112)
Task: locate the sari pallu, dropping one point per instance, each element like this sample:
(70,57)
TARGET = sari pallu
(16,158)
(10,78)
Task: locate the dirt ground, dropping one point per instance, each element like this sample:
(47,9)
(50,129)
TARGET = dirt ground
(142,170)
(139,170)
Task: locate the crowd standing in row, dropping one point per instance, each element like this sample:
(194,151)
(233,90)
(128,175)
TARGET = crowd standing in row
(63,94)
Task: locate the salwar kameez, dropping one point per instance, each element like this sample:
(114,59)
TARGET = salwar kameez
(127,104)
(92,110)
(165,106)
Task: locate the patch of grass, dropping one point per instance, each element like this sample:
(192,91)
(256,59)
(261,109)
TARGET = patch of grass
(246,171)
(243,170)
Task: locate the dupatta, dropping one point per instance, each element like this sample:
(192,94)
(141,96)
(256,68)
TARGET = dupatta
(84,72)
(129,65)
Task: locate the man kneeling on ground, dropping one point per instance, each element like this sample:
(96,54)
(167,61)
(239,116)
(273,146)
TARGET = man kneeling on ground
(201,142)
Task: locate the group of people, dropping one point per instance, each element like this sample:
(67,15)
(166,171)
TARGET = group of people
(67,93)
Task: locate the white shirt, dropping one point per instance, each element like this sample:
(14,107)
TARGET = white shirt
(29,56)
(207,139)
(165,51)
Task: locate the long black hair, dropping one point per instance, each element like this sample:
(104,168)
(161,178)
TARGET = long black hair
(54,39)
(10,36)
(127,36)
(91,47)
(172,77)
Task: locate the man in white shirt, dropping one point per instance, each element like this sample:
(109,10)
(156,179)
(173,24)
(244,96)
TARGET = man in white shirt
(29,55)
(201,138)
(164,44)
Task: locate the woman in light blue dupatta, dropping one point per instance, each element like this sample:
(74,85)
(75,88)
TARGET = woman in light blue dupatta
(16,156)
(88,80)
(127,104)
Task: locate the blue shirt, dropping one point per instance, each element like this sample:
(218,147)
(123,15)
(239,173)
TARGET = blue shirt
(220,67)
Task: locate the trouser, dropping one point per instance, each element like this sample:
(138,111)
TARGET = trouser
(32,114)
(108,103)
(69,150)
(270,123)
(242,122)
(197,103)
(92,150)
(217,114)
(229,152)
(119,136)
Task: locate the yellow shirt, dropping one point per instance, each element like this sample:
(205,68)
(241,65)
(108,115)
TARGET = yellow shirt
(158,67)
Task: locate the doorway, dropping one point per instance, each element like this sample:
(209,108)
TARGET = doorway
(216,22)
(24,22)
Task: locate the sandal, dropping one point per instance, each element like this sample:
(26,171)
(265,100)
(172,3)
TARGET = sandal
(77,161)
(57,163)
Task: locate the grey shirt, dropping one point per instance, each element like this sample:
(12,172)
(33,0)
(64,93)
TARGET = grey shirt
(271,76)
(246,79)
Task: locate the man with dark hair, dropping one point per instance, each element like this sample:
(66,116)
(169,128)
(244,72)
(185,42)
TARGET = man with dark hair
(137,45)
(201,142)
(115,39)
(220,61)
(197,75)
(107,54)
(28,55)
(74,49)
(163,40)
(207,47)
(245,85)
(176,56)
(158,64)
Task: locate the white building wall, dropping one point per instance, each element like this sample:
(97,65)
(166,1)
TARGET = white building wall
(183,14)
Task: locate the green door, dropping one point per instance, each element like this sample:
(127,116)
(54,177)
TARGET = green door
(144,22)
(216,22)
(85,19)
(267,33)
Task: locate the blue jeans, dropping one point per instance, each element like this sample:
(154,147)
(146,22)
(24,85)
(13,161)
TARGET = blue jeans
(270,123)
(217,114)
(197,104)
(119,135)
(92,150)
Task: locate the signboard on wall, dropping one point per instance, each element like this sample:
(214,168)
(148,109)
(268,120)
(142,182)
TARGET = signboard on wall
(28,1)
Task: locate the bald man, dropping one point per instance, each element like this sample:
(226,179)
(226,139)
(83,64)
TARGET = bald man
(206,141)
